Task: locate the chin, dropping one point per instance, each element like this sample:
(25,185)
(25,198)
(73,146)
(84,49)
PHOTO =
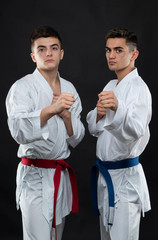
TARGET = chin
(112,68)
(50,68)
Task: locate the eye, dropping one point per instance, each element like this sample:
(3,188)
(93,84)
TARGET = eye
(119,50)
(55,48)
(41,50)
(107,50)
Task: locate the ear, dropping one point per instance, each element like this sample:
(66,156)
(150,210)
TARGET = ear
(61,54)
(135,54)
(33,57)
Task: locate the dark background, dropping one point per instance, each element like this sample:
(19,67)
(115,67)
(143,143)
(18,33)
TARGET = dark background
(82,25)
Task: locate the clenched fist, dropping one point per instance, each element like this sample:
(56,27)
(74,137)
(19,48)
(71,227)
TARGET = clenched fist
(59,105)
(63,102)
(108,100)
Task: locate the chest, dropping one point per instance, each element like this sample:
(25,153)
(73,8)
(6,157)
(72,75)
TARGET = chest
(121,91)
(56,88)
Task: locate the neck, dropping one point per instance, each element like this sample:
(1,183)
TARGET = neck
(50,76)
(122,73)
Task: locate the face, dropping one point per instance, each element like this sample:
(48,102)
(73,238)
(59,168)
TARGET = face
(118,54)
(47,53)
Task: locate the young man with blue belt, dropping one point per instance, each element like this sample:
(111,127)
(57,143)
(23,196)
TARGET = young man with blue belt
(44,118)
(120,122)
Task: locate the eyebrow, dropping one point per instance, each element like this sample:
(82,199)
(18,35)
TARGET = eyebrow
(43,46)
(115,48)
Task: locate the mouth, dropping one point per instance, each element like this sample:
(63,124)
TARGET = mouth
(49,60)
(112,62)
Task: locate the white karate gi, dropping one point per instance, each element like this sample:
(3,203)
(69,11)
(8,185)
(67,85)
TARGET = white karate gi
(35,188)
(123,135)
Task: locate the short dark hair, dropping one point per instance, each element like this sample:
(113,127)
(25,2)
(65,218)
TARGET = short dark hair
(130,37)
(44,31)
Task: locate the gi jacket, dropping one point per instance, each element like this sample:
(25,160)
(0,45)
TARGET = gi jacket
(121,135)
(25,100)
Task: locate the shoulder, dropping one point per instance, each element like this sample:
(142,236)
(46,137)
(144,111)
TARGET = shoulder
(23,85)
(67,85)
(24,81)
(138,84)
(110,85)
(66,82)
(137,90)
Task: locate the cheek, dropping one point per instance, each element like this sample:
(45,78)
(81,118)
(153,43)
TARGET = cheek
(125,60)
(40,58)
(37,57)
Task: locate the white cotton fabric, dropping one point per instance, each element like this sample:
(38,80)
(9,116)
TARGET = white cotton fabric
(25,100)
(123,135)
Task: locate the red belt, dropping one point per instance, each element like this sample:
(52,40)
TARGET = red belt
(59,165)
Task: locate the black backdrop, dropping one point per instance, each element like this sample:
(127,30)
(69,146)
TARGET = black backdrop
(82,25)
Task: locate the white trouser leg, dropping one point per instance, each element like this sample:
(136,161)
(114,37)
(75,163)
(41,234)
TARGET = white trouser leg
(59,230)
(35,226)
(104,235)
(126,223)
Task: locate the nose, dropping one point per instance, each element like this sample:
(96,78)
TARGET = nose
(112,54)
(49,52)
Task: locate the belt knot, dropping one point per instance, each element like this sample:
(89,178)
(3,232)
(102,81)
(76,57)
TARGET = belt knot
(62,164)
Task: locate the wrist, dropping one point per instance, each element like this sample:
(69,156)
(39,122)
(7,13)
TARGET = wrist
(99,117)
(65,114)
(46,114)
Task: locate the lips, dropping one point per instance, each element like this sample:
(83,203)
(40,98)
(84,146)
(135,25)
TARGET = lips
(112,62)
(49,60)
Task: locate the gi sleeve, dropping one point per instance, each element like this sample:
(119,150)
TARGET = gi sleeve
(131,120)
(92,125)
(78,128)
(23,118)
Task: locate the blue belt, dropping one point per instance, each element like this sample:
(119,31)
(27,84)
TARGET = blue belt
(103,167)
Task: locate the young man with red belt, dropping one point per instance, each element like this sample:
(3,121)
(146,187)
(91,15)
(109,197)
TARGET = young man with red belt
(44,118)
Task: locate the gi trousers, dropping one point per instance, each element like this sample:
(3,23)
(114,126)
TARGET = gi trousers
(35,225)
(126,223)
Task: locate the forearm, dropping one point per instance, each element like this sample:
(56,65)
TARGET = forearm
(92,122)
(66,116)
(46,114)
(25,127)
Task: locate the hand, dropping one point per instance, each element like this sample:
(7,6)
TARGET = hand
(62,102)
(101,110)
(108,100)
(60,105)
